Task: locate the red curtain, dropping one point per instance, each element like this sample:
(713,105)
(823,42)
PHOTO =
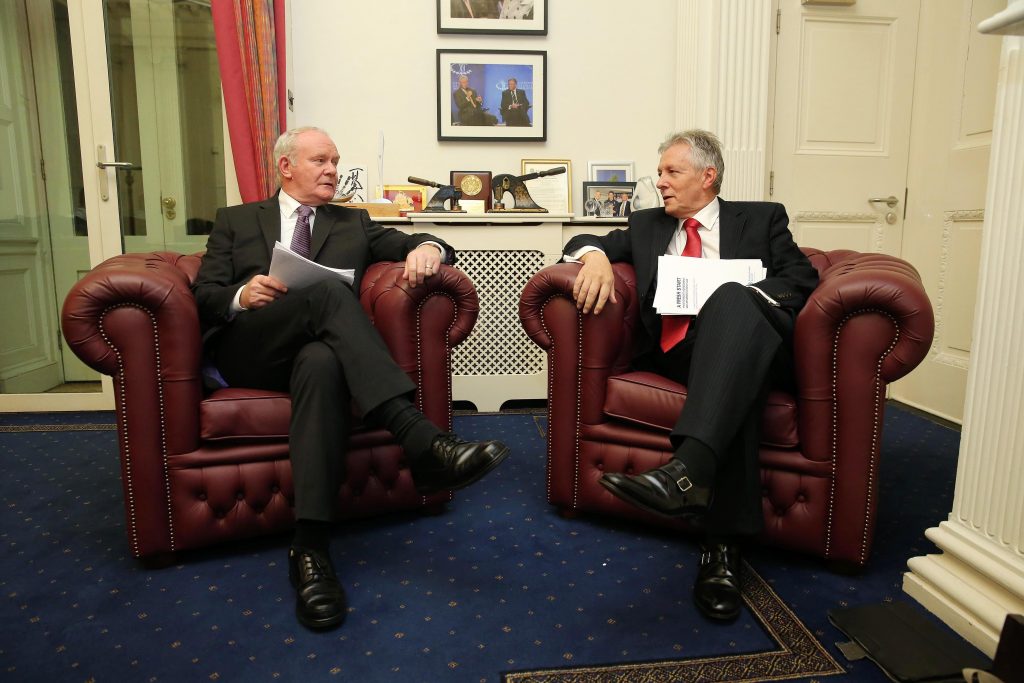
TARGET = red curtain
(250,48)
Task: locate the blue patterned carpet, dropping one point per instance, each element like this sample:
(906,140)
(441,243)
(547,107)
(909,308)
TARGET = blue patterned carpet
(498,586)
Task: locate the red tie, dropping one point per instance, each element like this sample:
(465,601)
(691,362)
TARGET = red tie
(674,327)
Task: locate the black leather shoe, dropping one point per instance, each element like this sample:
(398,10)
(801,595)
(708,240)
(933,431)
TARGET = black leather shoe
(319,598)
(666,490)
(454,464)
(717,590)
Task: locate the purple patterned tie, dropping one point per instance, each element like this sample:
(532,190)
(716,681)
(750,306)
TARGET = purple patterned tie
(300,238)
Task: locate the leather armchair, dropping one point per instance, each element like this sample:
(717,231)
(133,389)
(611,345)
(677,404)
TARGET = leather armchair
(867,324)
(201,469)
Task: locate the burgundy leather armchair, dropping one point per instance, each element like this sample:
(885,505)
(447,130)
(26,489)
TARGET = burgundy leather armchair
(868,323)
(201,469)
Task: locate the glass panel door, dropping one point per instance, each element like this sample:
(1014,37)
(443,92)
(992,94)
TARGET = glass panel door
(167,122)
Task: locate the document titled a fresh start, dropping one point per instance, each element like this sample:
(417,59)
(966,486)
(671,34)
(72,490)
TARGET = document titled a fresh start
(297,271)
(685,282)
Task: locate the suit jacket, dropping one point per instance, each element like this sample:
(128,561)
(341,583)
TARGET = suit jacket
(471,112)
(748,230)
(243,238)
(515,117)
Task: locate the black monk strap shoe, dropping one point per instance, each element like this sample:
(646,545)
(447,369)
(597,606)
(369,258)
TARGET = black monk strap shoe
(319,598)
(454,464)
(717,590)
(666,490)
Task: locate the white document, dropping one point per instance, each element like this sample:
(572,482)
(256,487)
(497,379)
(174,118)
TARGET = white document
(297,271)
(685,282)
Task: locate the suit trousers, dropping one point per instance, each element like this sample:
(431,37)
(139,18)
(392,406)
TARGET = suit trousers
(737,347)
(318,344)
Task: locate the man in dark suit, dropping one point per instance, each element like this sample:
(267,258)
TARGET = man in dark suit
(470,105)
(514,105)
(728,355)
(319,345)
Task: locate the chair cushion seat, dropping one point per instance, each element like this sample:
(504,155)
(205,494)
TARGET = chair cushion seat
(649,400)
(245,414)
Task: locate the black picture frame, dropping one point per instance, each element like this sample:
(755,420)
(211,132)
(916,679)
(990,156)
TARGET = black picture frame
(484,17)
(591,191)
(488,73)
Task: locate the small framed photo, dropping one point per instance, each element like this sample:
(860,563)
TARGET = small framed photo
(523,17)
(406,197)
(553,192)
(610,171)
(607,200)
(491,95)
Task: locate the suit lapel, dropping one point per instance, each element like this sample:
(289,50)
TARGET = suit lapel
(664,228)
(731,221)
(268,216)
(322,226)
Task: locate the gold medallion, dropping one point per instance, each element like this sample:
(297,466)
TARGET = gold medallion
(471,185)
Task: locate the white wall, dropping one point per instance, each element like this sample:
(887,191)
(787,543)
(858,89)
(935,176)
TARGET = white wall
(360,67)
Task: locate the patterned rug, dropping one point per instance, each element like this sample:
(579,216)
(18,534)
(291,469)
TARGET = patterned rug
(499,588)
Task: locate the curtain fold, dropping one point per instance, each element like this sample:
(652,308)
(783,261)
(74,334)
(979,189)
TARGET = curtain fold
(250,49)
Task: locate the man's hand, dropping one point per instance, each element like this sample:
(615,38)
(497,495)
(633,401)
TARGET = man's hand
(260,291)
(421,263)
(595,283)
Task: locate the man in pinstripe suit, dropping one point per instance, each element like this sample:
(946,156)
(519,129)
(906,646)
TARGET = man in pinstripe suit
(728,355)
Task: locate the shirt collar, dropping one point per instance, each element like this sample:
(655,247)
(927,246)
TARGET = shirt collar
(289,205)
(708,216)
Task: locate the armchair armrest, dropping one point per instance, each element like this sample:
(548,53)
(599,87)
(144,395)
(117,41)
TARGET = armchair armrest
(868,323)
(421,325)
(583,350)
(547,311)
(133,317)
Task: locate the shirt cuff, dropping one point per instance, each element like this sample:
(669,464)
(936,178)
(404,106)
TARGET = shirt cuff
(444,254)
(236,304)
(575,256)
(767,298)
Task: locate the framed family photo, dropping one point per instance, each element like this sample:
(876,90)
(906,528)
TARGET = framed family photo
(491,95)
(610,171)
(607,199)
(523,17)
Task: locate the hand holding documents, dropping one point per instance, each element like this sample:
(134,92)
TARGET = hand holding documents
(685,283)
(296,271)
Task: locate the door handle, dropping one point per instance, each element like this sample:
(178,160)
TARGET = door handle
(891,200)
(103,165)
(120,165)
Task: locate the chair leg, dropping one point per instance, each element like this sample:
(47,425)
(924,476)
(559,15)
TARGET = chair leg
(844,567)
(433,509)
(159,560)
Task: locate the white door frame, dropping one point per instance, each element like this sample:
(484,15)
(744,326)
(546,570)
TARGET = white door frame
(89,50)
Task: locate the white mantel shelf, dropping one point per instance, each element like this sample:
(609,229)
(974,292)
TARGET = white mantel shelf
(491,218)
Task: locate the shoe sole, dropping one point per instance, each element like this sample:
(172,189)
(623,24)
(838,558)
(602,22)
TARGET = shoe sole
(627,497)
(498,459)
(320,624)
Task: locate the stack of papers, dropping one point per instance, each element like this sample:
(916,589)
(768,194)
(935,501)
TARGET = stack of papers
(685,282)
(297,271)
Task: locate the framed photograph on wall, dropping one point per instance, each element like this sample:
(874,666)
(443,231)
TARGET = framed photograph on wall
(553,192)
(491,95)
(610,171)
(607,200)
(523,17)
(406,197)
